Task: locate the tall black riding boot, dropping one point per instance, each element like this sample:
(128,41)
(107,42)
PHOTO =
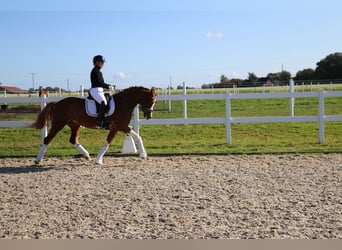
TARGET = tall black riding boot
(101,122)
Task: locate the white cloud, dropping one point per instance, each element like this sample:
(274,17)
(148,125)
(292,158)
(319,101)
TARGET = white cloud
(234,74)
(120,75)
(214,74)
(214,35)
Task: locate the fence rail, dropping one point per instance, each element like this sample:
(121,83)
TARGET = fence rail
(228,120)
(320,118)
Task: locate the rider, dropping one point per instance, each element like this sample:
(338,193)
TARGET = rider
(97,87)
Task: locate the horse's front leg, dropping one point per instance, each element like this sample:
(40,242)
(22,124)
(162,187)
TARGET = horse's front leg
(110,137)
(139,142)
(75,132)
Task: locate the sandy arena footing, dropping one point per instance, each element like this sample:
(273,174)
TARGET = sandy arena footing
(173,197)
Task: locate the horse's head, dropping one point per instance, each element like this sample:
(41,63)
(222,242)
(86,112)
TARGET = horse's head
(147,103)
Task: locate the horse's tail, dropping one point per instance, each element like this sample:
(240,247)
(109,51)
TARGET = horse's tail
(44,116)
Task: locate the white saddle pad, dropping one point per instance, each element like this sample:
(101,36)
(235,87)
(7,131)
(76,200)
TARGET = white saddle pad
(90,106)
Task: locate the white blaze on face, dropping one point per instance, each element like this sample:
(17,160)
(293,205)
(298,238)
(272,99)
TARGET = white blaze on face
(152,107)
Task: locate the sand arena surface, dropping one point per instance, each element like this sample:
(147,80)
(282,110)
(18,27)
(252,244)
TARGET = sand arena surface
(175,197)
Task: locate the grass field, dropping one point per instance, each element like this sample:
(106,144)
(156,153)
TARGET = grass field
(191,139)
(198,139)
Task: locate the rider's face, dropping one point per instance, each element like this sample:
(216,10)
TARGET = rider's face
(99,64)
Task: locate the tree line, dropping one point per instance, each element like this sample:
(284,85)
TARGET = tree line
(329,67)
(50,89)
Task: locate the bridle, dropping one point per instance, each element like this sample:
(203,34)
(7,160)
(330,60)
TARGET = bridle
(147,111)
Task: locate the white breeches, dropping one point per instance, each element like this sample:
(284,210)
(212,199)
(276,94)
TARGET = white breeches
(98,95)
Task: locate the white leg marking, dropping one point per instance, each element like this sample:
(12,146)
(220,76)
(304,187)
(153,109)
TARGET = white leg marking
(41,153)
(101,153)
(140,144)
(82,150)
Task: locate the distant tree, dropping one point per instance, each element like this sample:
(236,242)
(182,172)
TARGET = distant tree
(224,79)
(49,89)
(205,86)
(306,74)
(235,81)
(273,76)
(181,87)
(56,89)
(284,75)
(252,77)
(330,67)
(279,76)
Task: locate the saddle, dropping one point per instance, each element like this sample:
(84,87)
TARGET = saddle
(92,107)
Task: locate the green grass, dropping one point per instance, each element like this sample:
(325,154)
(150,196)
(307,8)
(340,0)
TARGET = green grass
(263,138)
(181,139)
(200,139)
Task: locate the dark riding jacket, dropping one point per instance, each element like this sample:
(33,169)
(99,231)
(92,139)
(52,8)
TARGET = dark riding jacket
(97,80)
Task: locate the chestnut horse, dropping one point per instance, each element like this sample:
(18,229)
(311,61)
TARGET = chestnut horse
(71,111)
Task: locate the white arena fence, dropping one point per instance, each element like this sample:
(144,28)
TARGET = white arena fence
(320,118)
(228,120)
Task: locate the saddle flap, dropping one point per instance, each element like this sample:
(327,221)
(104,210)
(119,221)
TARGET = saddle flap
(91,107)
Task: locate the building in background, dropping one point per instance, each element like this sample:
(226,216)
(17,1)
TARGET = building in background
(12,89)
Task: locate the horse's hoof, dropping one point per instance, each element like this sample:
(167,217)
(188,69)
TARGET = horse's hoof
(37,162)
(98,162)
(143,156)
(88,158)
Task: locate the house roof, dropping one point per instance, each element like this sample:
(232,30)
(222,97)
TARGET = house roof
(12,89)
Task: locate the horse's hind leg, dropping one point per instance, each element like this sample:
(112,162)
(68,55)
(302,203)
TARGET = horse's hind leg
(55,128)
(75,132)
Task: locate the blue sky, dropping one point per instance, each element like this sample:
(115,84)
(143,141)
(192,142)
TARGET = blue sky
(146,42)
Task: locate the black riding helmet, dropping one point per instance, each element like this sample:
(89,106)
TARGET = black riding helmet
(98,58)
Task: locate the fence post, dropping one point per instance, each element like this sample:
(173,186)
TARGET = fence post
(228,116)
(292,101)
(170,99)
(163,93)
(321,117)
(42,106)
(5,95)
(185,105)
(82,90)
(136,119)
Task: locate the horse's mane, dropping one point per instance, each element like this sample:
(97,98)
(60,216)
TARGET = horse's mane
(131,90)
